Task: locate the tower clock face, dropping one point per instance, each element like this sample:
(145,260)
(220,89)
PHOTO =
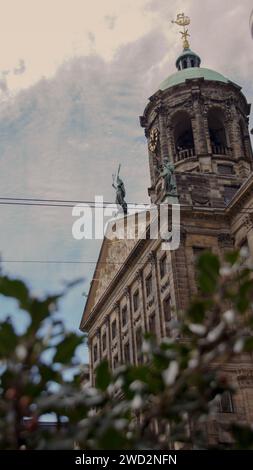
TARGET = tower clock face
(153,140)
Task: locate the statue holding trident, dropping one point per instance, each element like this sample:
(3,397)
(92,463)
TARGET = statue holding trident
(167,172)
(120,192)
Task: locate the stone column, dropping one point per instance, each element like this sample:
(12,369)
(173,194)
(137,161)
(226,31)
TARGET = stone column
(141,274)
(91,362)
(117,310)
(161,110)
(98,335)
(232,124)
(131,326)
(153,260)
(207,134)
(170,142)
(181,283)
(108,326)
(249,224)
(198,125)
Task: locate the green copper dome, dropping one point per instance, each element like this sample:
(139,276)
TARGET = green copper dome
(191,73)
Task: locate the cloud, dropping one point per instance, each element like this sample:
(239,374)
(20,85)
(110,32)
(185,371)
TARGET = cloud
(110,20)
(20,69)
(4,86)
(64,137)
(91,38)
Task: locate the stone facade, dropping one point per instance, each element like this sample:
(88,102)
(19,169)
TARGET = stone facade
(202,127)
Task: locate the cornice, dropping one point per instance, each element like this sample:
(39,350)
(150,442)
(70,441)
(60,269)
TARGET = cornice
(241,197)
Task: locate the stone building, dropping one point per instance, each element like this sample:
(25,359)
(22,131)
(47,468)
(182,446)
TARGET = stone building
(198,119)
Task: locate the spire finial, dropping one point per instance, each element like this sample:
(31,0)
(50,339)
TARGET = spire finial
(184,21)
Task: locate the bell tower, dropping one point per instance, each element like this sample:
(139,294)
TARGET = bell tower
(198,120)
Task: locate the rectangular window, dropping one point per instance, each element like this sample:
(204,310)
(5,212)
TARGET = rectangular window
(124,315)
(114,329)
(229,192)
(152,324)
(95,353)
(149,285)
(167,309)
(115,361)
(226,403)
(225,169)
(104,342)
(127,353)
(136,300)
(163,266)
(139,339)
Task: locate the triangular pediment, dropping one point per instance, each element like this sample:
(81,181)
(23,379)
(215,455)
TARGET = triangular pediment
(113,254)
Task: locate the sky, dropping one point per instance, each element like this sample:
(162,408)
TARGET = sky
(75,76)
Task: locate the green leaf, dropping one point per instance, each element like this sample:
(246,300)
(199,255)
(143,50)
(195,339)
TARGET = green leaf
(15,289)
(244,296)
(232,257)
(103,376)
(8,339)
(197,311)
(248,344)
(40,310)
(66,349)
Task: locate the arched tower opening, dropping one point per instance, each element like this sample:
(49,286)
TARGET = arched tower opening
(183,136)
(217,131)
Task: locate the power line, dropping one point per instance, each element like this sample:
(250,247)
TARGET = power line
(62,262)
(93,204)
(60,202)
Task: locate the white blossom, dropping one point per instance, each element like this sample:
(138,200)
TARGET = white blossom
(229,316)
(225,270)
(193,363)
(170,374)
(214,334)
(244,252)
(137,386)
(238,347)
(136,403)
(197,329)
(120,424)
(146,347)
(21,352)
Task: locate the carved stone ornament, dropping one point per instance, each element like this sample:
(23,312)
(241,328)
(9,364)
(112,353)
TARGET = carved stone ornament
(245,379)
(153,140)
(248,221)
(225,239)
(200,198)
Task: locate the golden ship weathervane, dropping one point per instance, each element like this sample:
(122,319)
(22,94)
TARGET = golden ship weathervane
(183,21)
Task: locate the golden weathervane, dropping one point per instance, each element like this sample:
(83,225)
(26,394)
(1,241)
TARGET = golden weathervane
(183,21)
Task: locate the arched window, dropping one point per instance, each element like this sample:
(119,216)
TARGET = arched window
(217,131)
(183,135)
(184,64)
